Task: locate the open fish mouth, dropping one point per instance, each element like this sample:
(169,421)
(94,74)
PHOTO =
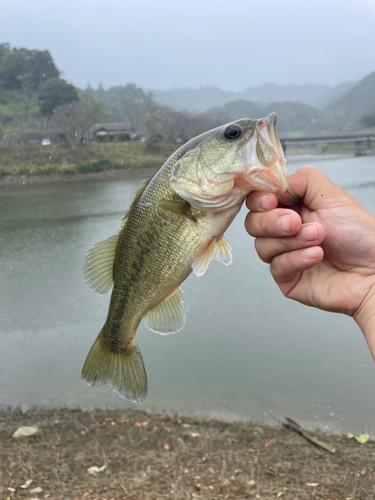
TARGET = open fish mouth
(265,162)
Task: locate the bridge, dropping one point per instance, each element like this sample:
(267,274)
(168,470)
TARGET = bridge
(362,142)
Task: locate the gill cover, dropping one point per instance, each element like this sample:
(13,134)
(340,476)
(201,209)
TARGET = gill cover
(233,160)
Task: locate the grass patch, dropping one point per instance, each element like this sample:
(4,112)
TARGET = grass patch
(96,166)
(86,158)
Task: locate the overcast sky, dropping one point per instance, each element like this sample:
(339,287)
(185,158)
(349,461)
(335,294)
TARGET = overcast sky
(232,44)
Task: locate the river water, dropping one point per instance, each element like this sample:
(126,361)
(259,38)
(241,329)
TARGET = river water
(245,350)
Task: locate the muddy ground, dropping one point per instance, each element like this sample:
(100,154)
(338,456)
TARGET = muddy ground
(145,456)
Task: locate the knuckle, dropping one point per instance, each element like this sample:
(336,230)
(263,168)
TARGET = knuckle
(261,250)
(264,224)
(308,169)
(274,268)
(249,224)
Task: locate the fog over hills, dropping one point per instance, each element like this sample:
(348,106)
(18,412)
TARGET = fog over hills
(205,98)
(359,100)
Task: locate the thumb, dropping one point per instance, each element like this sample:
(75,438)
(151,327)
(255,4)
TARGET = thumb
(314,187)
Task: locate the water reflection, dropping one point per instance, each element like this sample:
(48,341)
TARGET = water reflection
(245,349)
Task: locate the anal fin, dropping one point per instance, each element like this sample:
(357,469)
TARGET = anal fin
(168,316)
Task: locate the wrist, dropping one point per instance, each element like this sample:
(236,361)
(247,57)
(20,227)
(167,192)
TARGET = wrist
(365,319)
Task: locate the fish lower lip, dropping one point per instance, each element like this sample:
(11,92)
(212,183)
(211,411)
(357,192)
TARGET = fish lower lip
(280,174)
(294,196)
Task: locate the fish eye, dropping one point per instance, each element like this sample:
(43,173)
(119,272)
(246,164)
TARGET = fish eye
(232,132)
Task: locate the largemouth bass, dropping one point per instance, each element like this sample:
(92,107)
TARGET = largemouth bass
(175,225)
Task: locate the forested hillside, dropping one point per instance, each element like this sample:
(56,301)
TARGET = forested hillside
(357,101)
(34,97)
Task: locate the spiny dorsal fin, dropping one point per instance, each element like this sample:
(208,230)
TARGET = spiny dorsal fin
(98,265)
(137,195)
(168,316)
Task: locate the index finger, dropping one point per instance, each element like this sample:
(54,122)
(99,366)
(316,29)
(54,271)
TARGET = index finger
(277,223)
(261,202)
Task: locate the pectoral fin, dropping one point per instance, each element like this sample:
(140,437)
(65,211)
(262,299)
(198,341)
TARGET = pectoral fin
(168,316)
(98,265)
(176,207)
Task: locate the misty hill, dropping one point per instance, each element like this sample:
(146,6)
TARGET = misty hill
(293,117)
(334,94)
(358,101)
(198,100)
(204,98)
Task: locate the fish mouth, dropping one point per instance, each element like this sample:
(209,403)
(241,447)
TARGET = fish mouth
(265,163)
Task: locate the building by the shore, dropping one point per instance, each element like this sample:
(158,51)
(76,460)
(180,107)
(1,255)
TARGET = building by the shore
(113,132)
(100,132)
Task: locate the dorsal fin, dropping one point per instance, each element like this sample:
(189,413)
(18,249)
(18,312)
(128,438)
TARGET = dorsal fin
(98,265)
(137,195)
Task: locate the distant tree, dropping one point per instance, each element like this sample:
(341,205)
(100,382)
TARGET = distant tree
(13,65)
(368,120)
(23,68)
(4,50)
(175,125)
(2,130)
(127,103)
(42,68)
(76,119)
(53,93)
(171,124)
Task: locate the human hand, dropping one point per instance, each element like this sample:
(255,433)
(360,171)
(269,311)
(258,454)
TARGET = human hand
(321,252)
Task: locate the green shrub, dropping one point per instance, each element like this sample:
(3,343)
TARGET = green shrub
(96,166)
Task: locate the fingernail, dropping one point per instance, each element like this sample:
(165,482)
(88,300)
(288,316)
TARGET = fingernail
(309,253)
(263,202)
(283,223)
(309,233)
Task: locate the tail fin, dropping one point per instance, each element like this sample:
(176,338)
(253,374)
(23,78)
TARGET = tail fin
(123,371)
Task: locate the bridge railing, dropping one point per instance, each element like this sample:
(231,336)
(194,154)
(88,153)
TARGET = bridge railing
(362,142)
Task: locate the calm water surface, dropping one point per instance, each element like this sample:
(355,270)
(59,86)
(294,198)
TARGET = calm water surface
(245,349)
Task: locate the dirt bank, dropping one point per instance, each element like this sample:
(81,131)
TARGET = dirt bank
(156,456)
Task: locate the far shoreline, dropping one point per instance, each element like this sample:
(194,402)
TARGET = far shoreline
(113,174)
(106,175)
